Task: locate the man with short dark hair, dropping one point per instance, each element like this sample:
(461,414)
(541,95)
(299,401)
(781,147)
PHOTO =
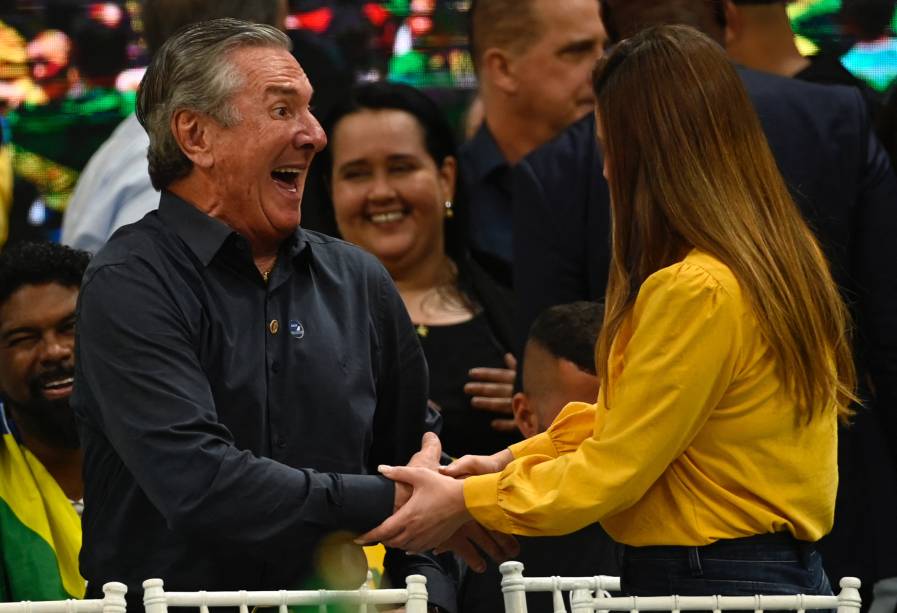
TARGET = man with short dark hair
(533,59)
(559,364)
(41,489)
(239,379)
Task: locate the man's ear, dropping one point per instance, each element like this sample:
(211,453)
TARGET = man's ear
(498,69)
(191,131)
(526,420)
(734,24)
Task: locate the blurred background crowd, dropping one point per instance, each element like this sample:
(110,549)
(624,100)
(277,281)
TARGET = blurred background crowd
(69,70)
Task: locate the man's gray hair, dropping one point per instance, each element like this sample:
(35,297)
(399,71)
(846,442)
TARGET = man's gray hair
(194,70)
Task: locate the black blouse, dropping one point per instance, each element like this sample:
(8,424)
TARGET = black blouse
(451,351)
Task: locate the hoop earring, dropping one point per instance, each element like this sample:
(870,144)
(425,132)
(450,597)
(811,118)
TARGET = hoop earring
(449,213)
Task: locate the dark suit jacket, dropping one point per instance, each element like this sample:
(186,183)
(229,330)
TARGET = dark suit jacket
(843,183)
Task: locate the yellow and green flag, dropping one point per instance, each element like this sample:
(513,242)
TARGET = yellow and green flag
(40,532)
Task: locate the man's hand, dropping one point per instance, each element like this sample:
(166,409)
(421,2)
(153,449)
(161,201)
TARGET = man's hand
(492,389)
(471,465)
(427,457)
(500,547)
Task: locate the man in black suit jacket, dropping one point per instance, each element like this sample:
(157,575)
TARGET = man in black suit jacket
(843,183)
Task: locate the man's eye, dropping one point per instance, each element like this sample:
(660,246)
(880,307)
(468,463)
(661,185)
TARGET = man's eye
(282,111)
(21,341)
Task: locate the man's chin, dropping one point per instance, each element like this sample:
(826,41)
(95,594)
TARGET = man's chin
(50,420)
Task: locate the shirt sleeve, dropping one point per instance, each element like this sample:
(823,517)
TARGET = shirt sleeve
(676,366)
(144,386)
(574,424)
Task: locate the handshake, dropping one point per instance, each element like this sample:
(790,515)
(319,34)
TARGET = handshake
(429,510)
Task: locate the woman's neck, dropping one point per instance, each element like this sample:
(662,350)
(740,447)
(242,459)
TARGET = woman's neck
(430,292)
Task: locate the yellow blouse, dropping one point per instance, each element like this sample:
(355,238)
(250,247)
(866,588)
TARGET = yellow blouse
(699,439)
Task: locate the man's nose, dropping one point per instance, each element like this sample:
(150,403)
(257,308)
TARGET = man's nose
(310,135)
(56,348)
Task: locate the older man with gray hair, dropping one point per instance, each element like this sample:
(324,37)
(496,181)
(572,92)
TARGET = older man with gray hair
(238,378)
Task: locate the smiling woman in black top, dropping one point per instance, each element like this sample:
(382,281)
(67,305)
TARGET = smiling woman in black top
(392,173)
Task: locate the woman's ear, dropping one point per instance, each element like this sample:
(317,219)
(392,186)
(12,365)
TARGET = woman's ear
(448,174)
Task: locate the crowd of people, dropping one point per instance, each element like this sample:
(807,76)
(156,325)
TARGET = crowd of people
(642,321)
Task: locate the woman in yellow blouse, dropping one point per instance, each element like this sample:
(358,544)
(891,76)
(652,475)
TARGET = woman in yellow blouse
(724,354)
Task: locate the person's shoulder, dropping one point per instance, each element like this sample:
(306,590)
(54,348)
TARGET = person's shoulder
(336,252)
(700,275)
(815,98)
(137,242)
(126,146)
(574,144)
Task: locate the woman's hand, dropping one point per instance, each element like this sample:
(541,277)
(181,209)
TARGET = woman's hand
(492,389)
(431,516)
(471,465)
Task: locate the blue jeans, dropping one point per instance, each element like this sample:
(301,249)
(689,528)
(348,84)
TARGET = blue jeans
(762,564)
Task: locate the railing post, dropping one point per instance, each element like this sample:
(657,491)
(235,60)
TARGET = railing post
(417,594)
(581,601)
(513,587)
(849,600)
(154,596)
(114,597)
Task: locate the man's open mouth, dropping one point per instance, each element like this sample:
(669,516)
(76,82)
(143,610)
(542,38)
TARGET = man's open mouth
(287,177)
(56,386)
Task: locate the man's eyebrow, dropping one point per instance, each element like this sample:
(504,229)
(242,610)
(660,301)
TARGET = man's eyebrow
(5,334)
(285,90)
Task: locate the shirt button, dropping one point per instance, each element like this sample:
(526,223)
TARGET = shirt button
(280,443)
(274,326)
(275,366)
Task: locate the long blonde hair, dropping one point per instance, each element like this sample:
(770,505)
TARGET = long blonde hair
(689,166)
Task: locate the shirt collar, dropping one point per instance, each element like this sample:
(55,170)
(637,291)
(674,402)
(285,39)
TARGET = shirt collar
(487,157)
(205,235)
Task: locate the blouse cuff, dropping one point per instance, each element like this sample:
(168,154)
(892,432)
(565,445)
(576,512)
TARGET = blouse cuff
(481,499)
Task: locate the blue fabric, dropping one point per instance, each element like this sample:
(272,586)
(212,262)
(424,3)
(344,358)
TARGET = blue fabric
(487,177)
(763,564)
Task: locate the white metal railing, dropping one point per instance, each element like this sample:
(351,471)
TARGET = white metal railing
(113,601)
(590,595)
(413,597)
